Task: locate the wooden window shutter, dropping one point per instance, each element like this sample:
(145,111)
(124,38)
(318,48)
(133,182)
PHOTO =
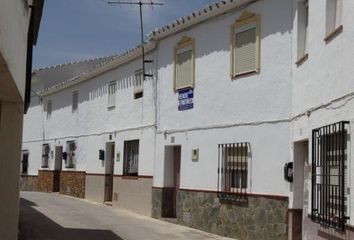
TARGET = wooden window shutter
(245,50)
(184,69)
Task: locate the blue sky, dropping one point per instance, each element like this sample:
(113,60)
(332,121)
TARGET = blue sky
(79,29)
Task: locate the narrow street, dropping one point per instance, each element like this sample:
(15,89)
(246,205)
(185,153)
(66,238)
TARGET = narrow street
(53,217)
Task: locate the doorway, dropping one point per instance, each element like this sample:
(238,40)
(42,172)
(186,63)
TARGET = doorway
(58,158)
(109,171)
(171,181)
(301,160)
(57,168)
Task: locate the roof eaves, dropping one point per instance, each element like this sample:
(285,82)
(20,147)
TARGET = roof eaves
(196,17)
(100,69)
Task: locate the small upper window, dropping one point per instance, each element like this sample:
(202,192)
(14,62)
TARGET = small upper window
(49,109)
(112,89)
(334,10)
(184,64)
(75,101)
(138,84)
(245,45)
(302,29)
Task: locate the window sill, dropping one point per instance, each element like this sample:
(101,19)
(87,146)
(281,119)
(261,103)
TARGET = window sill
(301,60)
(244,74)
(333,34)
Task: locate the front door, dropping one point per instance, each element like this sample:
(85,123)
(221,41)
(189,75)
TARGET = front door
(57,168)
(109,172)
(176,174)
(171,181)
(299,189)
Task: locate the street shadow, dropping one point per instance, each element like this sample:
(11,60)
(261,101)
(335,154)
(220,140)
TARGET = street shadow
(34,225)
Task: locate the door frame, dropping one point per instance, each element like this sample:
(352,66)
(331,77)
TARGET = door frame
(109,171)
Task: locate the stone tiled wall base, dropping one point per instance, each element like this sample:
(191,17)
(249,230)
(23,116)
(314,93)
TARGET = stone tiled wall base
(161,202)
(45,181)
(48,181)
(312,230)
(156,202)
(263,218)
(72,183)
(28,183)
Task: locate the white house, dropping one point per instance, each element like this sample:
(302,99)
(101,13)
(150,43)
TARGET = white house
(19,26)
(243,130)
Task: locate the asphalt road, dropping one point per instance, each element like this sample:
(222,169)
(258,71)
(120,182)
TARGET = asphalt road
(56,217)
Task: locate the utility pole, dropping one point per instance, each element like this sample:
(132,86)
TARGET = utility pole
(141,4)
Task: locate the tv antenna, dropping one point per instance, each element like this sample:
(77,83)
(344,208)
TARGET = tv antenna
(140,4)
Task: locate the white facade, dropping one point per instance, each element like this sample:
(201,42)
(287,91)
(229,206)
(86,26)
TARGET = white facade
(230,110)
(274,109)
(14,48)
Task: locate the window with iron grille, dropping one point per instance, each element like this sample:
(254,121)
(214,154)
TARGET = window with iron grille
(24,163)
(329,175)
(70,149)
(112,89)
(233,171)
(45,155)
(131,158)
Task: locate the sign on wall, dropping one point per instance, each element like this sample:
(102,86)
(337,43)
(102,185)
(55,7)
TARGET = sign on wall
(185,99)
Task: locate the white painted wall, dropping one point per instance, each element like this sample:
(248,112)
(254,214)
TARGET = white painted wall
(13,39)
(93,122)
(323,78)
(223,108)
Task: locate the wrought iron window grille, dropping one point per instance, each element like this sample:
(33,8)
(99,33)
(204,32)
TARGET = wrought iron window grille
(329,175)
(233,163)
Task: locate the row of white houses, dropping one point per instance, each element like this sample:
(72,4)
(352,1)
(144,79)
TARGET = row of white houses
(243,130)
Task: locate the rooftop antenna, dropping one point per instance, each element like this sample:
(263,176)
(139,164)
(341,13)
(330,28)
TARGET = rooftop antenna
(141,4)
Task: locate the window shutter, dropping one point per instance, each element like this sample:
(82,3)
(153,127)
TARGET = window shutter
(112,88)
(138,83)
(75,101)
(49,109)
(184,69)
(245,51)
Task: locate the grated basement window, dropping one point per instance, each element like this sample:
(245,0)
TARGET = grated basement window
(233,171)
(329,175)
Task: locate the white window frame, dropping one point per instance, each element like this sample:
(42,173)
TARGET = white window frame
(184,45)
(75,105)
(246,21)
(138,83)
(49,109)
(112,91)
(334,16)
(302,30)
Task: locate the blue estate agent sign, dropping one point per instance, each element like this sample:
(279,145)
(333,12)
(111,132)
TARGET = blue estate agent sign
(185,99)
